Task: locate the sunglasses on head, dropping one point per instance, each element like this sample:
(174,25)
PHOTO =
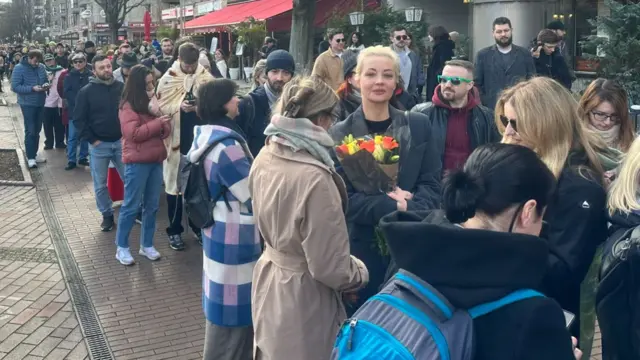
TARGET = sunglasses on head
(455,80)
(506,121)
(401,37)
(339,40)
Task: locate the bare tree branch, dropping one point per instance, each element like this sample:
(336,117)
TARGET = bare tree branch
(116,11)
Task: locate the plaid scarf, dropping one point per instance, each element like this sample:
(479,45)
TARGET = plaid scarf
(301,134)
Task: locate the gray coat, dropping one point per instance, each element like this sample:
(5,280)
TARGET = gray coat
(491,78)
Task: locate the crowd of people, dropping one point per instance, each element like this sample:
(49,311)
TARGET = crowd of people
(506,183)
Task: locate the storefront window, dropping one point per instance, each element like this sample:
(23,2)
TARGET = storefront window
(585,10)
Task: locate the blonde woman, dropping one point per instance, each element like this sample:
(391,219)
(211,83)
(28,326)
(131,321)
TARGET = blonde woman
(543,116)
(377,74)
(605,110)
(619,340)
(298,203)
(259,74)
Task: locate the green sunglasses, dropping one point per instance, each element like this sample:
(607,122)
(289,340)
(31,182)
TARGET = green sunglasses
(455,80)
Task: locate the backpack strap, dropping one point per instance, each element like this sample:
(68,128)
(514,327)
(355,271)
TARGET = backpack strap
(515,296)
(424,292)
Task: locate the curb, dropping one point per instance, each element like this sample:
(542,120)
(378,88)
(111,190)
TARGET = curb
(26,174)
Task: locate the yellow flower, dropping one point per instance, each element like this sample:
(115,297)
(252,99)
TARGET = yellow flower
(378,153)
(378,139)
(352,146)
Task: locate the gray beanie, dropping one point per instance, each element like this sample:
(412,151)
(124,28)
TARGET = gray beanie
(349,62)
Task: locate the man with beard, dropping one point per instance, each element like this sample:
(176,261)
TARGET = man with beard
(176,93)
(457,119)
(410,63)
(502,65)
(255,109)
(96,119)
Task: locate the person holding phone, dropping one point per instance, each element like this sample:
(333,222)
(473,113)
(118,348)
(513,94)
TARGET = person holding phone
(548,60)
(27,82)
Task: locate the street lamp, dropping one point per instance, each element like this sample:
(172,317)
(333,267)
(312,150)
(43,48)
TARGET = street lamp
(413,14)
(356,18)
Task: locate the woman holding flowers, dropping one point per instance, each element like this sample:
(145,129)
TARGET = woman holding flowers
(299,202)
(417,179)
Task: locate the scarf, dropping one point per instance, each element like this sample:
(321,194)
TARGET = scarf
(97,80)
(611,136)
(301,134)
(154,108)
(271,95)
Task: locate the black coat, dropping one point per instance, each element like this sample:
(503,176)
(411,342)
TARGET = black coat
(553,66)
(491,78)
(419,173)
(96,113)
(255,115)
(471,267)
(575,225)
(442,52)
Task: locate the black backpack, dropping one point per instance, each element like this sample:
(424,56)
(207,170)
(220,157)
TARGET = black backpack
(198,203)
(618,297)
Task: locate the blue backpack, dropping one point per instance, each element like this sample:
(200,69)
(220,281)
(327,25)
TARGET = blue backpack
(409,319)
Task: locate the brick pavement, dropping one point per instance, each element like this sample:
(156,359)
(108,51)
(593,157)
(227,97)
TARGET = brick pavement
(148,311)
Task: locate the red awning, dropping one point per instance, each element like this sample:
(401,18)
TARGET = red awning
(325,9)
(233,14)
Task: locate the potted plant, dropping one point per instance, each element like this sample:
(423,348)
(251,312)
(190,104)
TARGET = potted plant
(234,67)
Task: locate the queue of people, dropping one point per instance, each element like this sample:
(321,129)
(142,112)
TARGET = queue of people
(501,189)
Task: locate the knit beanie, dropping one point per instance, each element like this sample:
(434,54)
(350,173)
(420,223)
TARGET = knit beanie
(349,62)
(281,60)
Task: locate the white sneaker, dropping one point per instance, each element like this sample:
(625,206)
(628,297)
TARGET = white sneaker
(124,256)
(40,160)
(32,163)
(150,253)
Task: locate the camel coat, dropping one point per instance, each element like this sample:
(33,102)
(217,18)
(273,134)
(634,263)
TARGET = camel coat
(299,205)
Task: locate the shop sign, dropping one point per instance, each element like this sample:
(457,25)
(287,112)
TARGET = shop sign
(140,25)
(169,14)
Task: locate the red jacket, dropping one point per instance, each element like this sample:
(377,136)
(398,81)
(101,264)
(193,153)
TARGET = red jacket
(142,136)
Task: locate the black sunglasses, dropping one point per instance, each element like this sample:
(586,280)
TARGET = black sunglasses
(506,121)
(401,37)
(78,61)
(340,40)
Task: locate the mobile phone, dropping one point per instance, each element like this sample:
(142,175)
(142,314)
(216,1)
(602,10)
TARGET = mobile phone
(191,102)
(568,318)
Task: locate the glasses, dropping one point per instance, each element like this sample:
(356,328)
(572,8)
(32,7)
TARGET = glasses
(78,61)
(506,121)
(455,80)
(401,37)
(339,40)
(600,116)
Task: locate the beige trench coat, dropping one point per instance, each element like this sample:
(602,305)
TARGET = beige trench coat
(299,204)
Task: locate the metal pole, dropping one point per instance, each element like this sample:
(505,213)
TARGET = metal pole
(181,10)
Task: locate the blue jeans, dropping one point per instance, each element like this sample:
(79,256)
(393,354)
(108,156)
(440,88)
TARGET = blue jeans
(100,157)
(142,183)
(72,145)
(32,116)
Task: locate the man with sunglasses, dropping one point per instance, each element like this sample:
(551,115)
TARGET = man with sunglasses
(410,62)
(328,65)
(458,120)
(77,78)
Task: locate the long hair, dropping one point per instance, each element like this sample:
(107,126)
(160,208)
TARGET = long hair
(549,123)
(623,193)
(307,97)
(135,89)
(601,90)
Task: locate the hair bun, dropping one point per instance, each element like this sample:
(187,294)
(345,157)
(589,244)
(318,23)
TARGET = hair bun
(460,195)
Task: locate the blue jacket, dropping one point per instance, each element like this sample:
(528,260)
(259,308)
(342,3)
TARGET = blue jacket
(24,78)
(72,85)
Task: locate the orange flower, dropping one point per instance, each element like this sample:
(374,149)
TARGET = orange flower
(388,143)
(343,149)
(368,145)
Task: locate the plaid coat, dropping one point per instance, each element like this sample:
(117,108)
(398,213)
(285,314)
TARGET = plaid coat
(231,246)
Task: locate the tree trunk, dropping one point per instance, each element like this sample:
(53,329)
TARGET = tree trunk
(301,44)
(113,28)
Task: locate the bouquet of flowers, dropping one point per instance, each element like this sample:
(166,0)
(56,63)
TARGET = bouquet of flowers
(370,163)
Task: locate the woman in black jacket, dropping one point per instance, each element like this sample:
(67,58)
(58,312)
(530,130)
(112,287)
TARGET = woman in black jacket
(542,115)
(418,187)
(442,52)
(484,246)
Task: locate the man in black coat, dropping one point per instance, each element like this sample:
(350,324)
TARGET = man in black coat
(549,62)
(255,108)
(96,118)
(502,65)
(456,117)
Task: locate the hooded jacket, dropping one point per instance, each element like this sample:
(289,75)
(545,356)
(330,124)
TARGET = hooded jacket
(480,126)
(24,78)
(142,136)
(471,267)
(73,82)
(96,112)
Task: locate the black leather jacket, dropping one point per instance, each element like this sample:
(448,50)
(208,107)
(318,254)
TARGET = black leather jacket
(481,125)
